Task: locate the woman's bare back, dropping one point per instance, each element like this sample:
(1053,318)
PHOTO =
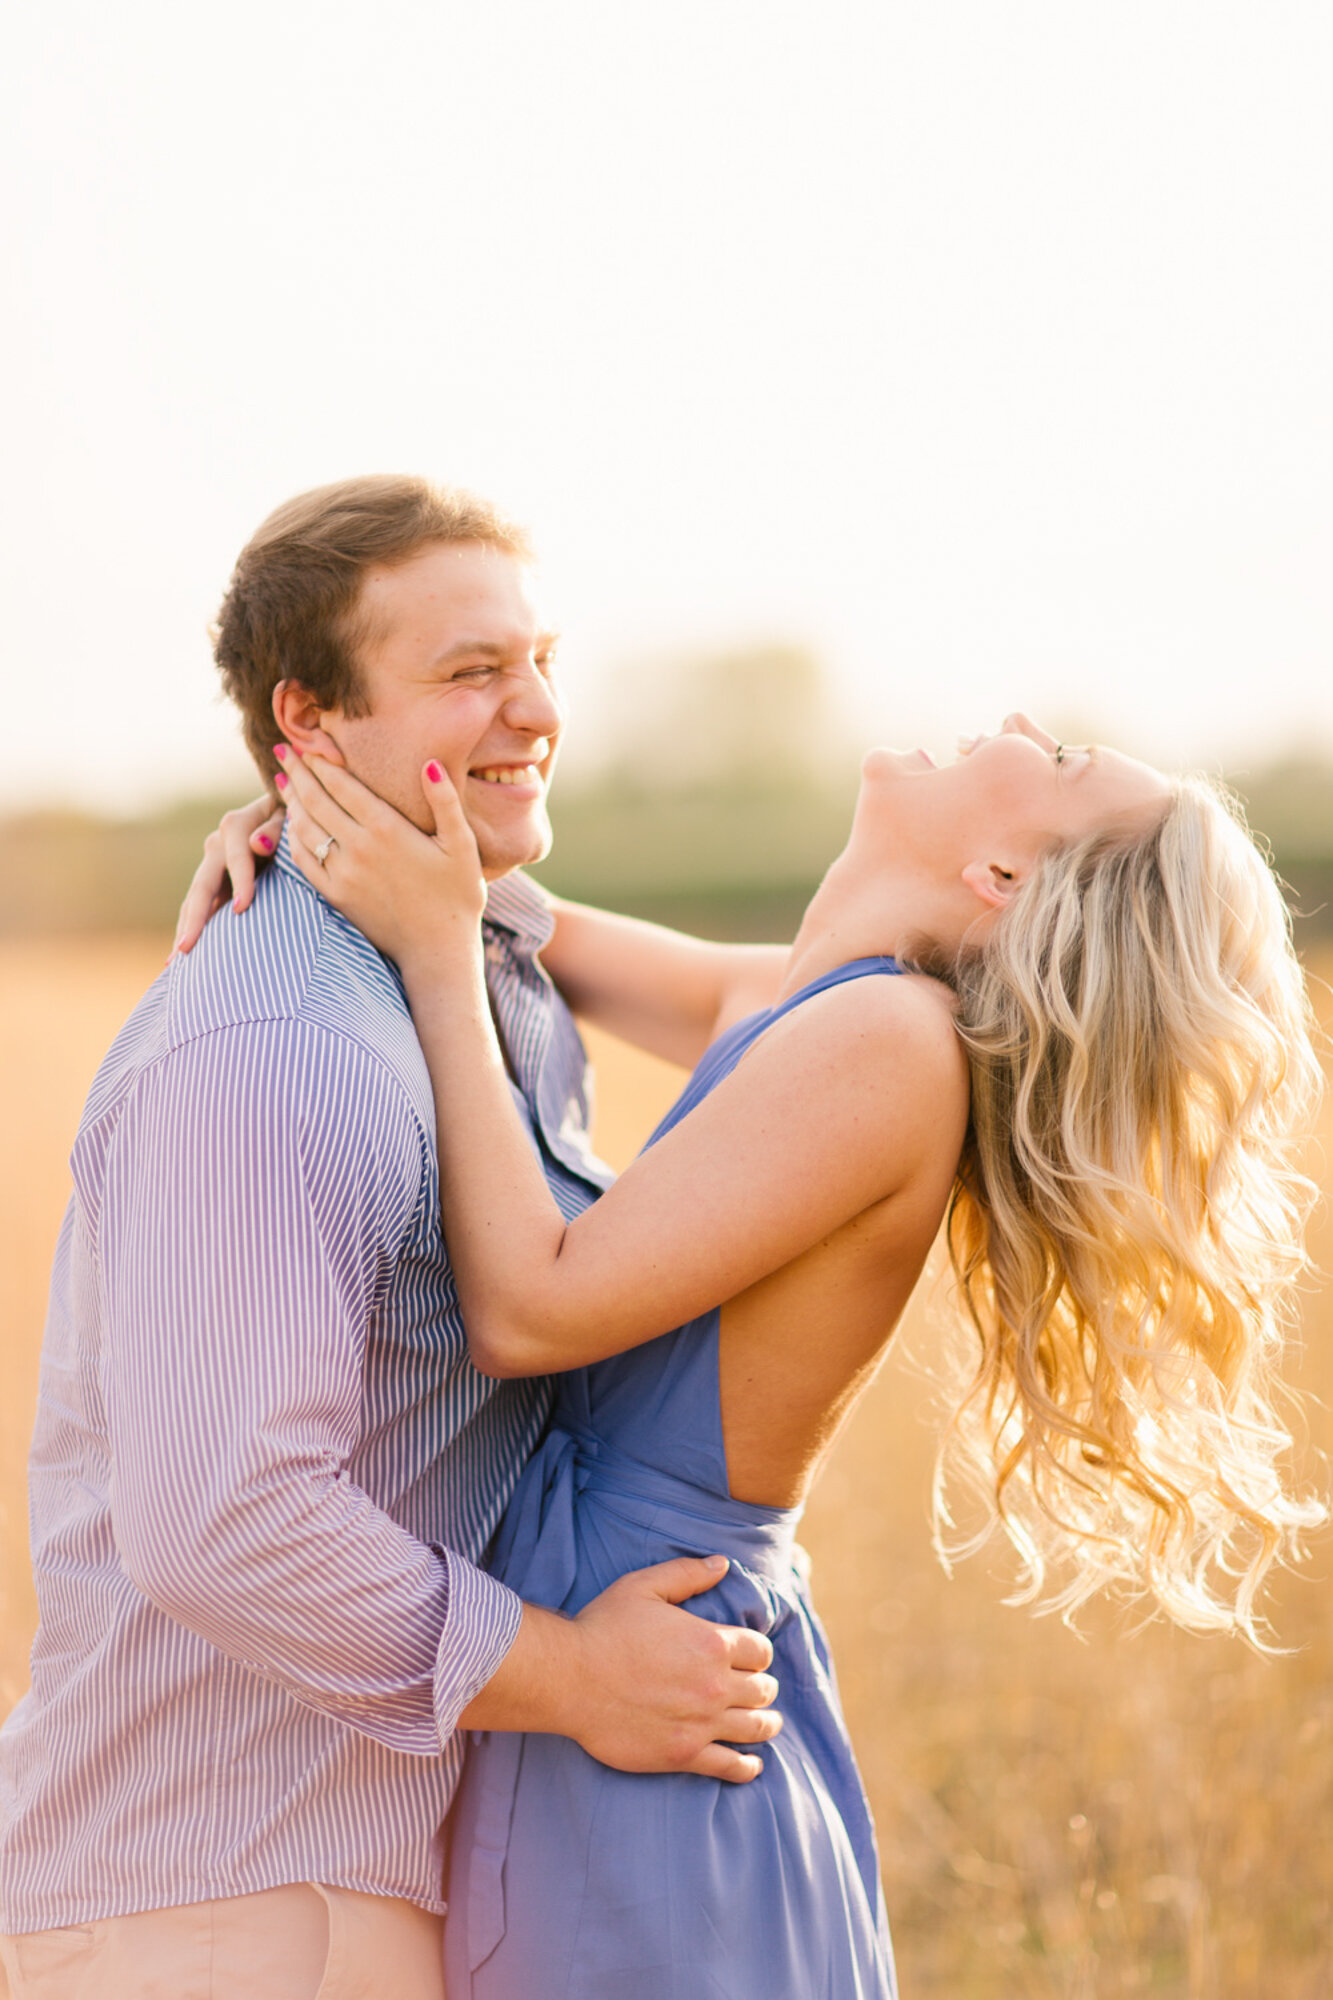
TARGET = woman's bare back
(796,1349)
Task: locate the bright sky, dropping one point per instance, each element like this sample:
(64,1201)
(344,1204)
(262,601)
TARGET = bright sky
(985,347)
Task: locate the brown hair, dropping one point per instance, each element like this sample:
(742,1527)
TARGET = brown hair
(290,608)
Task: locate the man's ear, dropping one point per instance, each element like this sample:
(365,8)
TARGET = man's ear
(995,885)
(301,720)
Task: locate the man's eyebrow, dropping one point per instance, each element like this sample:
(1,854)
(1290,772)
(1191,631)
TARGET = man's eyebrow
(487,649)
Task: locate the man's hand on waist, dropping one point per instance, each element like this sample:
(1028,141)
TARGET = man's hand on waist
(641,1684)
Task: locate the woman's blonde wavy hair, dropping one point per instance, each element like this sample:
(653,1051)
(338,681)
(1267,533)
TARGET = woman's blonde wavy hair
(1127,1225)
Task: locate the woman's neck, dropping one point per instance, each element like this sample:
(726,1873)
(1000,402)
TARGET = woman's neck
(853,914)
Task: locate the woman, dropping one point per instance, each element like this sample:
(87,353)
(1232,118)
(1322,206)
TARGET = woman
(1125,1226)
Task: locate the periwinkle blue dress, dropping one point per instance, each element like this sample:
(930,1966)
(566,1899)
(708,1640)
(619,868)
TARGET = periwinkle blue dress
(570,1881)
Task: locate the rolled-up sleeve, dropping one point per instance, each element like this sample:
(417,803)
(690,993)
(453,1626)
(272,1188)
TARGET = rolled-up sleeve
(260,1188)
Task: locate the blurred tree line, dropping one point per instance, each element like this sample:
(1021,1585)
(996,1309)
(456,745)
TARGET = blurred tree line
(729,794)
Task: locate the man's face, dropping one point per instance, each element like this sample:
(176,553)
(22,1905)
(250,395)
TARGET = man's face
(457,665)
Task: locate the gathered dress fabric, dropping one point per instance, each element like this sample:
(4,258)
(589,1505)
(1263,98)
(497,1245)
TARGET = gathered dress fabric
(571,1881)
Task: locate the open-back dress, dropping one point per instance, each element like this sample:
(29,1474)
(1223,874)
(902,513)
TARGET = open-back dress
(571,1881)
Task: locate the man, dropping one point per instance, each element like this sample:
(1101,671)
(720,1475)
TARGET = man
(264,1471)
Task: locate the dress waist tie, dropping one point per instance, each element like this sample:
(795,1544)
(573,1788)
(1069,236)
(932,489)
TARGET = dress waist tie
(540,1522)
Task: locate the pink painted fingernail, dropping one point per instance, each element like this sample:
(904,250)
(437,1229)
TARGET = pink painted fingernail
(433,772)
(282,781)
(280,751)
(266,843)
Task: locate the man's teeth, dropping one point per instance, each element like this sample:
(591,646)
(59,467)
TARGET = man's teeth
(510,774)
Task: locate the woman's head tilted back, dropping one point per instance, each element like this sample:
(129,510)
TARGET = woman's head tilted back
(1127,1224)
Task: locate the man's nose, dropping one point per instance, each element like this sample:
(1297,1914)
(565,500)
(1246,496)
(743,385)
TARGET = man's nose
(534,704)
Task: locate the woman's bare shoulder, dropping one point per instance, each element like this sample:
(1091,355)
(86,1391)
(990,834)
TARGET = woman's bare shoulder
(908,1008)
(894,1034)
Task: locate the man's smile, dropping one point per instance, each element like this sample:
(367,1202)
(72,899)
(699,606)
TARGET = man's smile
(527,774)
(508,774)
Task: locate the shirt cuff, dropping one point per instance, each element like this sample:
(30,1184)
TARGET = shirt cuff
(482,1624)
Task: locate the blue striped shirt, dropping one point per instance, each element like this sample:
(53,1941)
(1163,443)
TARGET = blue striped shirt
(264,1470)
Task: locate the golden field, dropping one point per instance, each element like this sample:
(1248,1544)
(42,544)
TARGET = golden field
(1061,1818)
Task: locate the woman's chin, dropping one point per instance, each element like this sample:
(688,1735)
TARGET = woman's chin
(884,763)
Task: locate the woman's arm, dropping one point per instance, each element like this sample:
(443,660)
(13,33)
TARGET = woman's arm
(840,1106)
(836,1109)
(657,988)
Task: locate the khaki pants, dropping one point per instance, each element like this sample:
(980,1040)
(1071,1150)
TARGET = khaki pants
(306,1942)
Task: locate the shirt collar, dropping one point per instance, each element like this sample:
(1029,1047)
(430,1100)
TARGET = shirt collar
(514,903)
(283,862)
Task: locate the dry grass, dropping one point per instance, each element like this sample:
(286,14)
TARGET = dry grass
(1060,1818)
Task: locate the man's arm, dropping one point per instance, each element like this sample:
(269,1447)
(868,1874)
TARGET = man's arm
(657,988)
(261,1182)
(640,1684)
